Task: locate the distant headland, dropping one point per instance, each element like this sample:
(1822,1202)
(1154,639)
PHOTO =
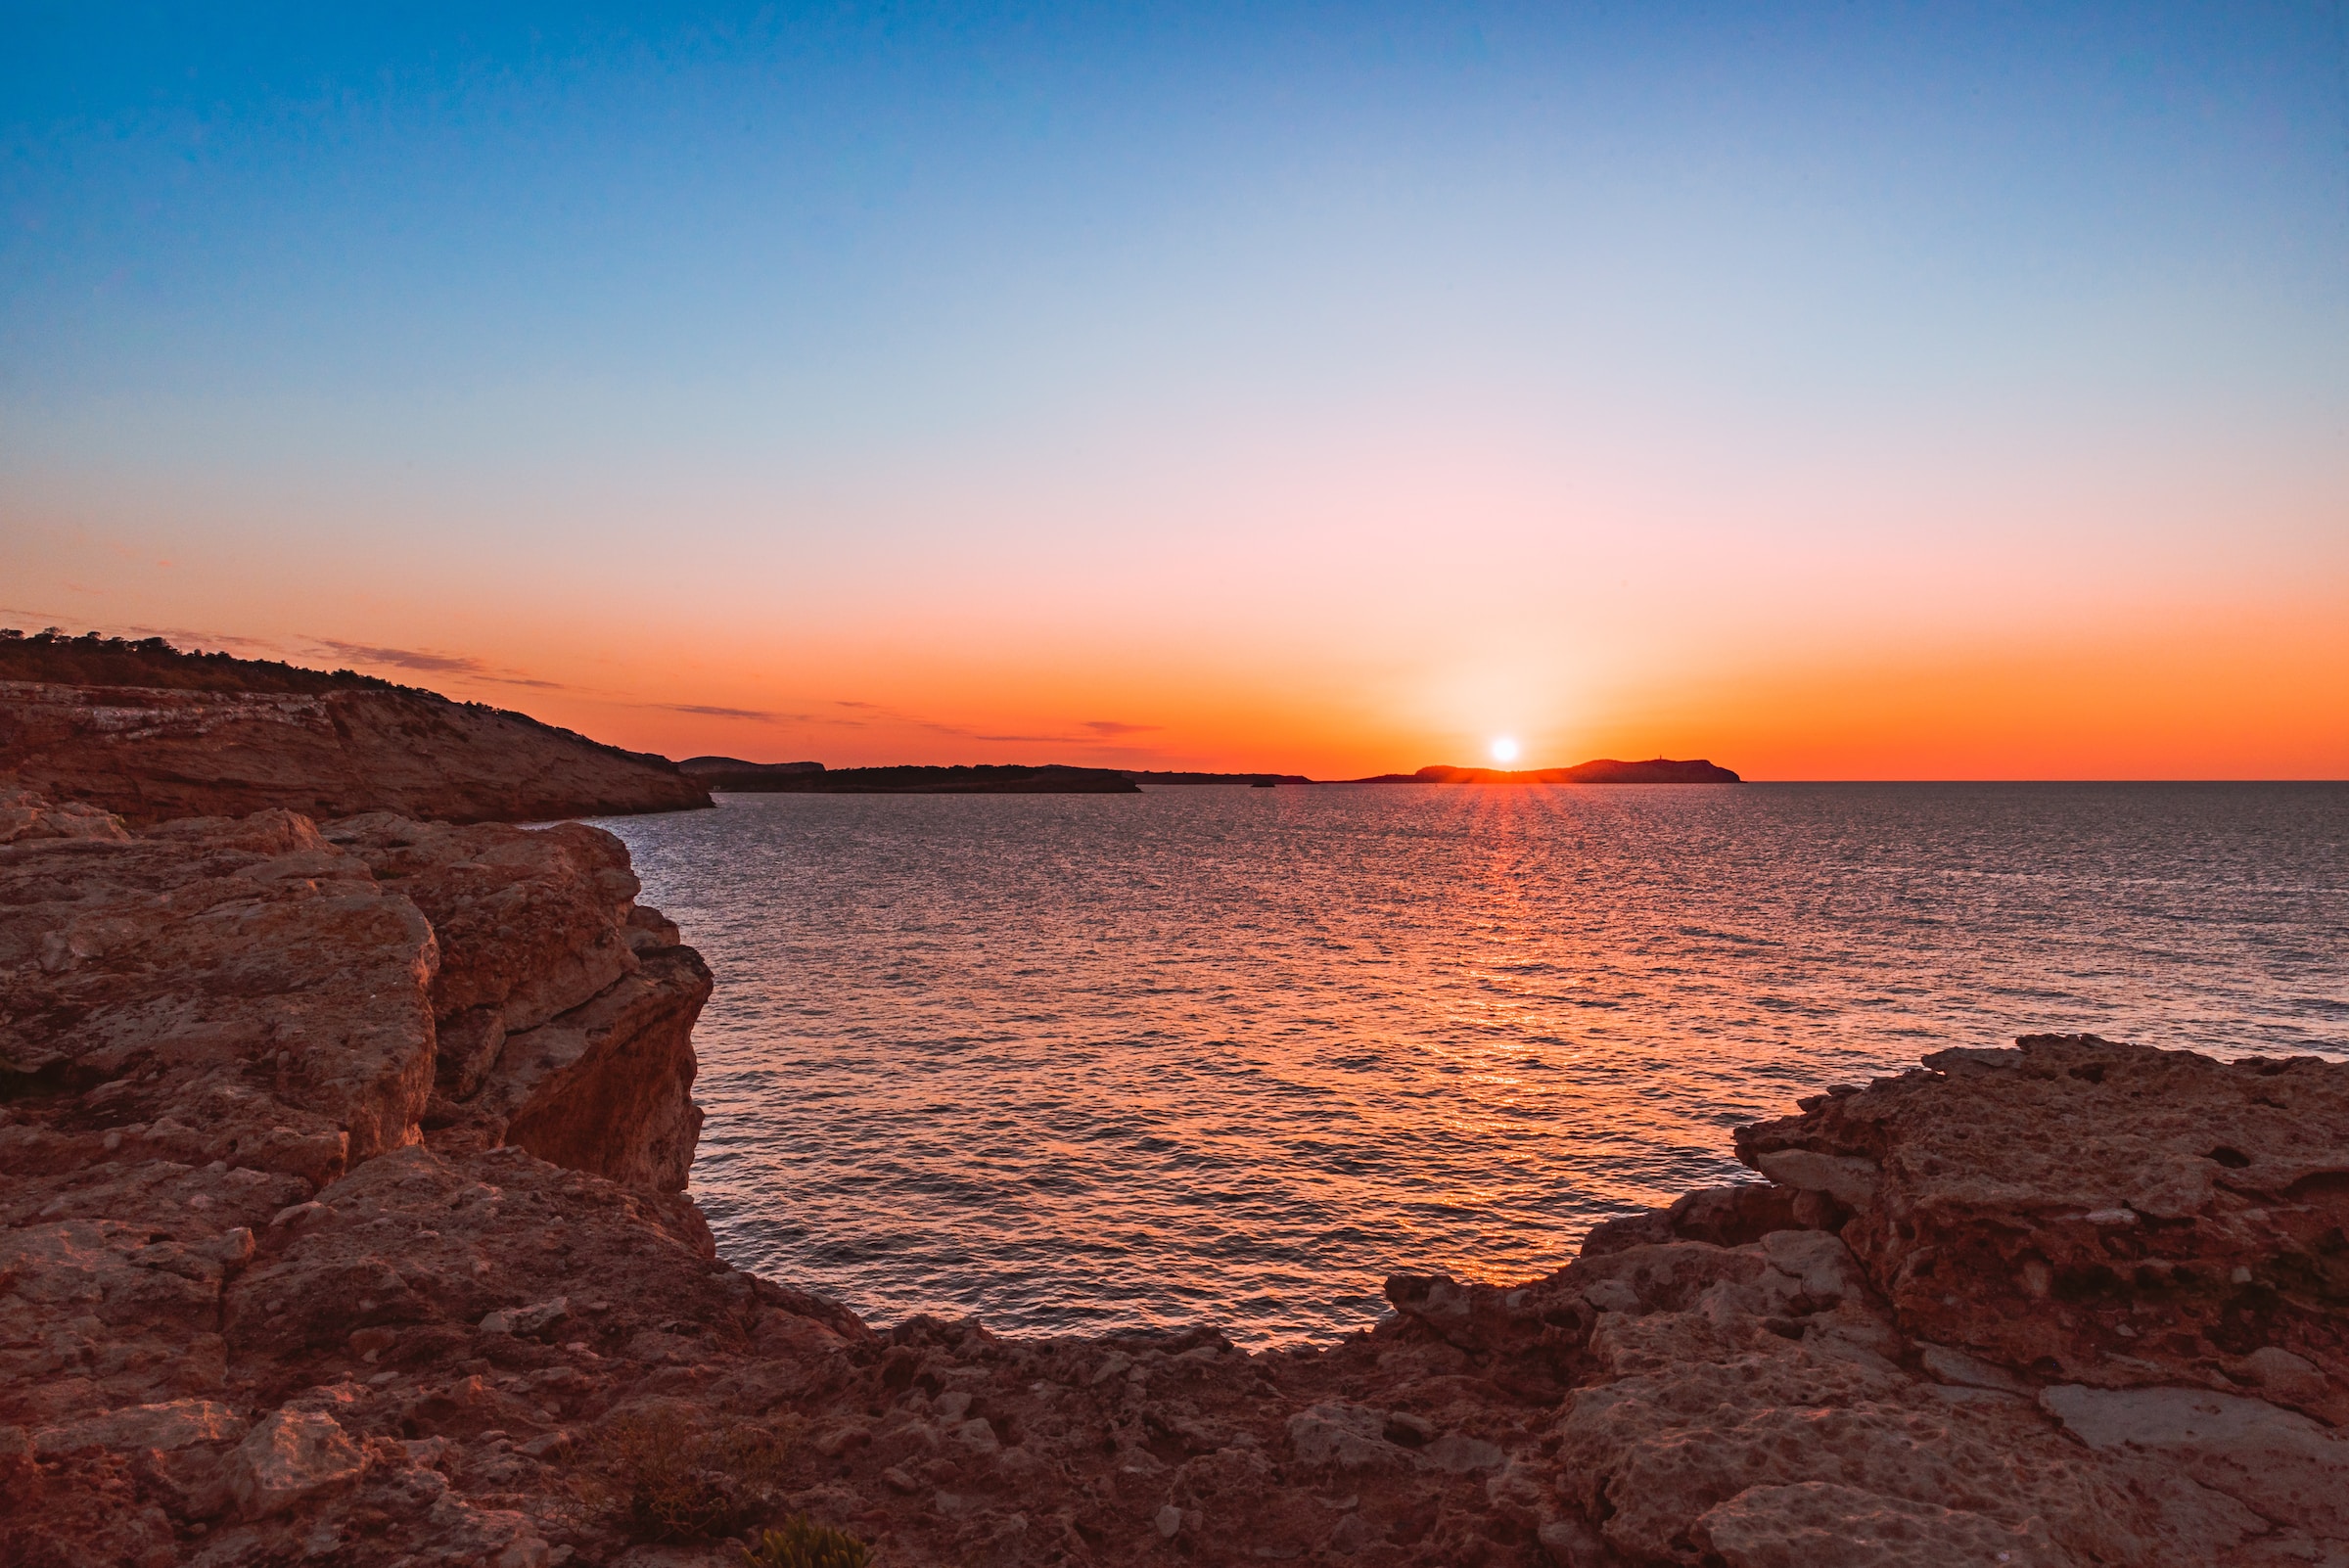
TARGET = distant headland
(144,730)
(1604,770)
(814,778)
(733,773)
(728,774)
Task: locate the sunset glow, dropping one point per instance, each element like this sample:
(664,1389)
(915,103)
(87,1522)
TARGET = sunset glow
(1828,396)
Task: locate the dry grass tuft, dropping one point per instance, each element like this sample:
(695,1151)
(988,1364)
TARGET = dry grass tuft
(669,1478)
(800,1543)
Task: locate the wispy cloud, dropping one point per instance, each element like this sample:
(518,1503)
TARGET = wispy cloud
(182,637)
(430,664)
(407,657)
(1113,727)
(709,711)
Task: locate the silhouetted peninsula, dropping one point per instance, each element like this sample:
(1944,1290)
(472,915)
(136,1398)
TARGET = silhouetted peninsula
(1604,770)
(1162,779)
(712,767)
(726,774)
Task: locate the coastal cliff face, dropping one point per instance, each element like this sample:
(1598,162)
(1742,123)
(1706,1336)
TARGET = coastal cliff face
(341,1225)
(152,754)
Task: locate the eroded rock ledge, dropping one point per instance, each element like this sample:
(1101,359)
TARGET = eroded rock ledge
(342,1224)
(157,752)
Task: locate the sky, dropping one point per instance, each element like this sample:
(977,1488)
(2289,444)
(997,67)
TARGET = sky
(1850,390)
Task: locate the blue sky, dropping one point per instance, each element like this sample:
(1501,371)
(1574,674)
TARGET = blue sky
(895,310)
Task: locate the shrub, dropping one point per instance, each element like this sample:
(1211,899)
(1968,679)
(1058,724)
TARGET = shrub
(802,1544)
(674,1480)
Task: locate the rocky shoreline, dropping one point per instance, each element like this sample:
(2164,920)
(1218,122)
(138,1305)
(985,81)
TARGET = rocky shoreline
(153,735)
(342,1221)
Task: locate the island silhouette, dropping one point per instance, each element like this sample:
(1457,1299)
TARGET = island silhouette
(732,773)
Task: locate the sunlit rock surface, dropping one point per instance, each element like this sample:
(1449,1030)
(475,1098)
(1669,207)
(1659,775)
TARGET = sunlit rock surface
(341,1225)
(151,753)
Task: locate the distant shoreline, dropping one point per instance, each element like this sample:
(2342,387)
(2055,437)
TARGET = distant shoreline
(735,774)
(1602,770)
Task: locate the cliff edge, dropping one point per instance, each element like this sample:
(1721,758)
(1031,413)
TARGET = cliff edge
(341,1225)
(151,733)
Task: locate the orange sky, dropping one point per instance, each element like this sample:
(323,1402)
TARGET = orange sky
(2145,690)
(1827,393)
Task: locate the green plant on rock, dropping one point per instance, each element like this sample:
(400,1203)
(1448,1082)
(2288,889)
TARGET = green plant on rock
(672,1479)
(802,1544)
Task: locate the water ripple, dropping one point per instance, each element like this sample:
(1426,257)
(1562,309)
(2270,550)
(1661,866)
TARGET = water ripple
(1076,1063)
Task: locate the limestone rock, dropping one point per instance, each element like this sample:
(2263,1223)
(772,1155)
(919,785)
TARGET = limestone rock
(530,923)
(1347,1436)
(534,1319)
(501,1343)
(153,754)
(290,1457)
(2279,1463)
(175,1424)
(1821,1525)
(564,1010)
(478,1237)
(24,815)
(2098,1213)
(306,1042)
(1725,1217)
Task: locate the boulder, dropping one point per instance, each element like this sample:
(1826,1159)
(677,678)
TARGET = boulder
(2098,1213)
(290,1457)
(530,923)
(175,1424)
(24,815)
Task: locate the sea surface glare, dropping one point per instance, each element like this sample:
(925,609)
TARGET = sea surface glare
(1074,1063)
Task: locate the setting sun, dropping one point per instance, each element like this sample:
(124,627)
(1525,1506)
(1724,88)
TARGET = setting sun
(1504,750)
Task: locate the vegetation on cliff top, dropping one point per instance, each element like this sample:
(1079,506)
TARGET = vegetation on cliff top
(52,657)
(90,660)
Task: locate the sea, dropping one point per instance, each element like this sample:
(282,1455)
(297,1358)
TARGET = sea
(1078,1064)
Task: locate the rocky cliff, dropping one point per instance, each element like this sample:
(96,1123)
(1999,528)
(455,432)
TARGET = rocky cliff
(340,1225)
(152,734)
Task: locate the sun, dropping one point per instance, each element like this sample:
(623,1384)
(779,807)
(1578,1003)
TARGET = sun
(1504,750)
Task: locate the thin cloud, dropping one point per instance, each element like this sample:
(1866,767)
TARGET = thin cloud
(182,637)
(409,659)
(1112,727)
(179,638)
(707,711)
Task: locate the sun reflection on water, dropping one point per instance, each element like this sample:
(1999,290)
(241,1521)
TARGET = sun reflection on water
(1072,1063)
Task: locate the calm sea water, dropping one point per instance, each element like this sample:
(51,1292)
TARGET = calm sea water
(1075,1063)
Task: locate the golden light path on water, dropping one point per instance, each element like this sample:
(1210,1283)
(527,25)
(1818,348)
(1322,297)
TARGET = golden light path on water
(1071,1063)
